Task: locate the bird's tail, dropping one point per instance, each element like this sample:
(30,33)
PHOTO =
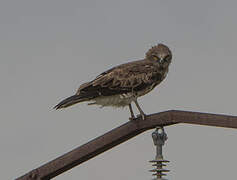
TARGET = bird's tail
(70,101)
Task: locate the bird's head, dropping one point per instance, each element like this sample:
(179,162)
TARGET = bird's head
(160,54)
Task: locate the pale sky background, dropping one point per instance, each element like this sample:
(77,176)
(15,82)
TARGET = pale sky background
(49,47)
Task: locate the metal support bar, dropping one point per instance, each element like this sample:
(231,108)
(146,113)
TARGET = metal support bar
(122,134)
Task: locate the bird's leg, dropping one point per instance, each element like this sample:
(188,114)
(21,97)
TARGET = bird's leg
(142,114)
(131,111)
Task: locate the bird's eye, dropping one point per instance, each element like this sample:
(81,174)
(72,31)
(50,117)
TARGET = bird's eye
(155,57)
(167,58)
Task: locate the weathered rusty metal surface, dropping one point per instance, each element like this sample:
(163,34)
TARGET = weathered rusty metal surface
(122,134)
(206,119)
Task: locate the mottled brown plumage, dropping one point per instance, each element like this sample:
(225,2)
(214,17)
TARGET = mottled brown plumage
(123,84)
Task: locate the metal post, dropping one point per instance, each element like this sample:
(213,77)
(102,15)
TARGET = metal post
(123,133)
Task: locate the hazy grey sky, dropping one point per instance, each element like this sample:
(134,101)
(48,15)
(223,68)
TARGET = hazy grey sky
(48,48)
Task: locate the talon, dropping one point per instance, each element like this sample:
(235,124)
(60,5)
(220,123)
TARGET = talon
(143,116)
(132,118)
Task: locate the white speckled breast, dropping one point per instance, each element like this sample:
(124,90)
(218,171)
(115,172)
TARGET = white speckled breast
(119,100)
(115,101)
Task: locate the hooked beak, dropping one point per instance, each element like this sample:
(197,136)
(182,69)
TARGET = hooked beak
(161,60)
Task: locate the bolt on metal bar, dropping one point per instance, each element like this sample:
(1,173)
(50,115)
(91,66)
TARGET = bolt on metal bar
(159,137)
(122,134)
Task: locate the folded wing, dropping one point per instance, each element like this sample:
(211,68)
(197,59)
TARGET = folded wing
(130,77)
(126,78)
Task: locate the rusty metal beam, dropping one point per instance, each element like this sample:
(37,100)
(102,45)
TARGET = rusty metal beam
(122,134)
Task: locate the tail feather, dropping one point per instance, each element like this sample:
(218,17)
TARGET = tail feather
(69,101)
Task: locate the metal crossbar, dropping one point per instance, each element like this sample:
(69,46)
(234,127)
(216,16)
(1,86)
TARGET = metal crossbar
(122,134)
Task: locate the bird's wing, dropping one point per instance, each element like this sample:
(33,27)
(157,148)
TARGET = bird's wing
(129,77)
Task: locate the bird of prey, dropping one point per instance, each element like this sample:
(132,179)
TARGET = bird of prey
(123,84)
